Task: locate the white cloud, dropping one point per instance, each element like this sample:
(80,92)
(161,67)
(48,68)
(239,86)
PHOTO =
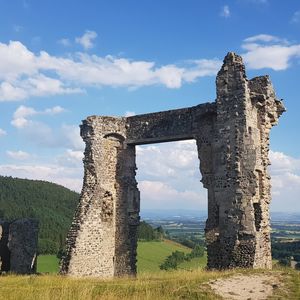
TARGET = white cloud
(201,68)
(71,137)
(156,194)
(169,160)
(64,42)
(285,179)
(2,132)
(19,155)
(225,11)
(129,113)
(37,132)
(263,38)
(38,85)
(296,17)
(86,41)
(25,74)
(21,115)
(69,177)
(282,163)
(71,158)
(168,176)
(267,51)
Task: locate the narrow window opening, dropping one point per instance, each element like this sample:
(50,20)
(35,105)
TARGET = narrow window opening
(257,215)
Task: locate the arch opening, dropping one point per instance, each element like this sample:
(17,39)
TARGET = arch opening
(172,201)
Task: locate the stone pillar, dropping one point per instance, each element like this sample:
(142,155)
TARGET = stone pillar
(237,229)
(4,251)
(22,244)
(102,239)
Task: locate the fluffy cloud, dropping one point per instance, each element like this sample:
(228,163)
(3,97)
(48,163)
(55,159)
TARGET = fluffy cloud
(168,176)
(156,194)
(267,51)
(285,179)
(69,177)
(25,74)
(225,11)
(71,137)
(2,132)
(71,158)
(86,41)
(169,159)
(201,68)
(19,155)
(68,136)
(263,38)
(21,115)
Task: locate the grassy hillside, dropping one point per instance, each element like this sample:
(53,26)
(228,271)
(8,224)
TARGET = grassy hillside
(53,205)
(164,285)
(150,256)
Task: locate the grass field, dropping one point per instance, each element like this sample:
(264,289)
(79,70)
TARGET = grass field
(162,285)
(150,256)
(47,264)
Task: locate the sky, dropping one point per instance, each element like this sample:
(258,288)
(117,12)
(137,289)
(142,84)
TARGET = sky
(61,61)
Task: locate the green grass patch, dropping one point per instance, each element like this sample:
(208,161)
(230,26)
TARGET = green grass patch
(47,264)
(150,255)
(195,263)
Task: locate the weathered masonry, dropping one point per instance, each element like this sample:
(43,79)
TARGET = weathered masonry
(232,136)
(18,246)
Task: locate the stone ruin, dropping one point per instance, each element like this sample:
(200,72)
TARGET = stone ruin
(18,246)
(232,136)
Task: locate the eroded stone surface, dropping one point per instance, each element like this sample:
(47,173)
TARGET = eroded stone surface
(232,136)
(18,246)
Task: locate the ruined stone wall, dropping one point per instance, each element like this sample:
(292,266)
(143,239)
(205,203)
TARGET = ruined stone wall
(102,240)
(18,246)
(237,231)
(232,136)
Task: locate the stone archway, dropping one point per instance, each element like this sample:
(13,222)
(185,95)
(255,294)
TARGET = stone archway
(232,136)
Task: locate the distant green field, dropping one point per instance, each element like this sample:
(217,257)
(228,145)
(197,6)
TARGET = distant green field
(47,264)
(150,256)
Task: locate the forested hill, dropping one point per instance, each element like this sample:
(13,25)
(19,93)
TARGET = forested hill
(53,205)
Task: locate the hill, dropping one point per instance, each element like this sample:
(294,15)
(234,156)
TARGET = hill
(53,205)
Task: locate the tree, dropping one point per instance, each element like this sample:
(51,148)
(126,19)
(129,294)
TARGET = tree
(172,261)
(145,232)
(159,232)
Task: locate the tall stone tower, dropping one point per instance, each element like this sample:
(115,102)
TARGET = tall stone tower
(238,225)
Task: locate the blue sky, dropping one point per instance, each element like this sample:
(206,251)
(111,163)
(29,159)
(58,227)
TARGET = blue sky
(61,61)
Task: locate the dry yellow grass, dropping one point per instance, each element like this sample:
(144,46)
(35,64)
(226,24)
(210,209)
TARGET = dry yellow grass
(163,285)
